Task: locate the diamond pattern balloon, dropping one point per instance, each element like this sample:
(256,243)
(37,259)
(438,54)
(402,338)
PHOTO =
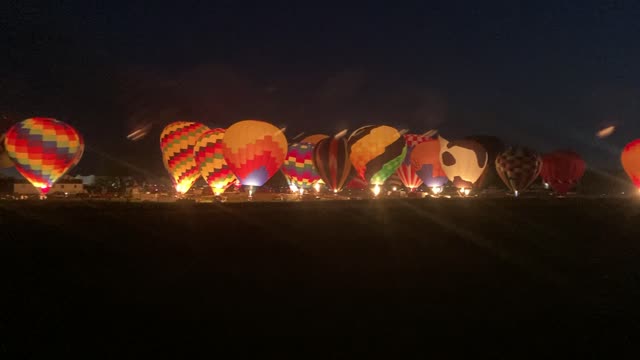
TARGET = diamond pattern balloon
(43,150)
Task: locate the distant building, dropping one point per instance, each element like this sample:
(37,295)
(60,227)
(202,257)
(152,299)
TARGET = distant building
(66,186)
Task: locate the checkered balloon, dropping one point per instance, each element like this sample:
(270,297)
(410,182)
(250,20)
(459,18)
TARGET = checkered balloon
(298,166)
(177,142)
(43,150)
(518,167)
(210,160)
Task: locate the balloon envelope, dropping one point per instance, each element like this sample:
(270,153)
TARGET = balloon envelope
(630,159)
(494,147)
(43,150)
(298,166)
(331,159)
(5,161)
(425,162)
(562,170)
(376,152)
(177,142)
(313,139)
(254,151)
(463,161)
(518,167)
(407,174)
(210,161)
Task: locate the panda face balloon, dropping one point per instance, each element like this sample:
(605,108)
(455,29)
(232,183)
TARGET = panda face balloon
(464,161)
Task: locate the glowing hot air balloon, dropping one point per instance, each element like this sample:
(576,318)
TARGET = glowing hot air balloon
(376,152)
(5,161)
(210,161)
(425,162)
(298,166)
(177,142)
(407,174)
(562,170)
(518,167)
(313,139)
(631,161)
(464,161)
(254,150)
(331,159)
(43,150)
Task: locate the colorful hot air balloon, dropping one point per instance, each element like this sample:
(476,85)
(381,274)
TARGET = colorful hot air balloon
(463,161)
(631,161)
(177,142)
(376,152)
(210,161)
(562,170)
(331,159)
(5,161)
(518,167)
(425,162)
(407,174)
(254,150)
(298,166)
(494,146)
(43,150)
(313,139)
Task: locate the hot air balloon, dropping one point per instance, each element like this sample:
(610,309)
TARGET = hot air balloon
(43,150)
(298,166)
(463,161)
(5,161)
(425,162)
(313,139)
(210,161)
(177,142)
(631,161)
(407,174)
(518,167)
(254,151)
(80,152)
(376,152)
(494,146)
(562,170)
(331,159)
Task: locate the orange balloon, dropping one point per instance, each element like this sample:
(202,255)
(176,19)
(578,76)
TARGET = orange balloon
(313,139)
(631,161)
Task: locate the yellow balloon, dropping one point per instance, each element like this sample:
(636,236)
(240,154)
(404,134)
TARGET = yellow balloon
(254,151)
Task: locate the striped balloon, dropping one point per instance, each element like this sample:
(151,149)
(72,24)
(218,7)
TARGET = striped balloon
(210,161)
(562,169)
(331,159)
(407,174)
(177,142)
(43,150)
(254,151)
(298,166)
(518,167)
(376,152)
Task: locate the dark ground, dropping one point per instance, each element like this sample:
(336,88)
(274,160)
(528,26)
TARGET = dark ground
(506,276)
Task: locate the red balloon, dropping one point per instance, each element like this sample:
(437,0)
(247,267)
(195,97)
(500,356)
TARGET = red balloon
(562,170)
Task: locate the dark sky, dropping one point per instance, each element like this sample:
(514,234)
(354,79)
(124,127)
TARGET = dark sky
(547,74)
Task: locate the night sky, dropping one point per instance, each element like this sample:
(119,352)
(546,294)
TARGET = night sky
(547,74)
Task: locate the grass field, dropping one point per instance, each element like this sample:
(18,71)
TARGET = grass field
(517,276)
